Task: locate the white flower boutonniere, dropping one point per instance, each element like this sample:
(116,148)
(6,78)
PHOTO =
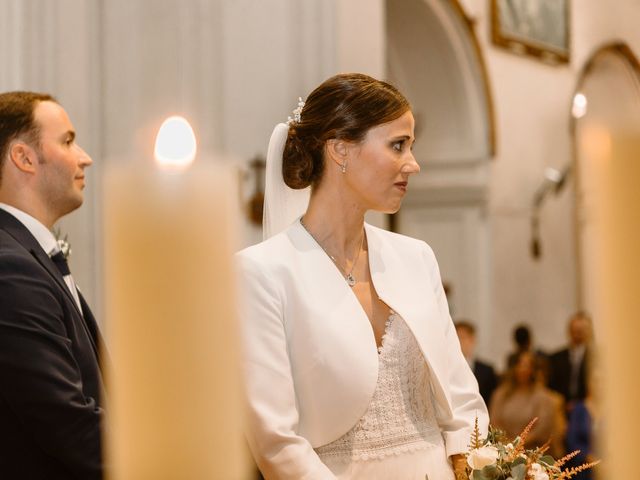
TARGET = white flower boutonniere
(63,243)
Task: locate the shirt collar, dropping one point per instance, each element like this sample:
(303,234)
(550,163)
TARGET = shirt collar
(41,233)
(577,352)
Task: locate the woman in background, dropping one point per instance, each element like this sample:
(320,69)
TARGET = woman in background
(353,367)
(522,397)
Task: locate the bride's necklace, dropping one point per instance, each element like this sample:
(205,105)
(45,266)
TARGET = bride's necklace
(351,280)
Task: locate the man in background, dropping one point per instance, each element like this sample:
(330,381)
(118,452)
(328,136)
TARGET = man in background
(568,366)
(50,397)
(484,373)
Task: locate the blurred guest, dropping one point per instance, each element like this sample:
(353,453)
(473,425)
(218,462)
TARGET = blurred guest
(567,367)
(585,425)
(484,372)
(523,341)
(521,397)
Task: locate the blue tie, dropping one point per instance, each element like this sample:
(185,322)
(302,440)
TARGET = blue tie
(61,263)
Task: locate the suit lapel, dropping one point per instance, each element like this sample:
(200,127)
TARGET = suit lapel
(50,267)
(89,319)
(17,230)
(92,325)
(21,234)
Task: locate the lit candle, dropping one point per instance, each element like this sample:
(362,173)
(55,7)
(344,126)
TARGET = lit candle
(617,174)
(174,401)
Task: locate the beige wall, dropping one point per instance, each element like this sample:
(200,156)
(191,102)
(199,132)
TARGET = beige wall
(532,101)
(241,68)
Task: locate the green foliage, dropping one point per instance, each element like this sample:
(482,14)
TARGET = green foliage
(519,471)
(514,460)
(547,460)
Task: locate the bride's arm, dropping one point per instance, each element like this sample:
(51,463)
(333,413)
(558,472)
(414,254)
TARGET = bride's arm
(461,384)
(270,394)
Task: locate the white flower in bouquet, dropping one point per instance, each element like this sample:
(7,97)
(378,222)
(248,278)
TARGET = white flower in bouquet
(495,458)
(478,458)
(536,472)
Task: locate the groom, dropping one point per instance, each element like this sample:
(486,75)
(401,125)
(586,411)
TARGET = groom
(50,379)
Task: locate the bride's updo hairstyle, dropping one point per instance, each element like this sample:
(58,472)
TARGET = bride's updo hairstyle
(344,107)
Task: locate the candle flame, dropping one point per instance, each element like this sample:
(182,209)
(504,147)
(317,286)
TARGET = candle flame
(579,107)
(175,143)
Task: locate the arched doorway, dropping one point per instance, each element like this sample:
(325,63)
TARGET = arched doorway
(598,117)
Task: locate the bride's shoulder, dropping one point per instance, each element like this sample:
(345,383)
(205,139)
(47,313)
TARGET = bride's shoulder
(267,253)
(398,240)
(402,248)
(265,249)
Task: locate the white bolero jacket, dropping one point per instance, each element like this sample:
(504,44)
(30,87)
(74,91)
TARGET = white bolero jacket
(311,361)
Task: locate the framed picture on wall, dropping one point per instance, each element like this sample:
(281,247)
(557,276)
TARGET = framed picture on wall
(532,27)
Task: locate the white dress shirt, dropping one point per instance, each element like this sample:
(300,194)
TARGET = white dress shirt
(46,240)
(576,355)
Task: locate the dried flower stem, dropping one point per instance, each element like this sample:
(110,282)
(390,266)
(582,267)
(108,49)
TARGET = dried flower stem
(566,458)
(519,448)
(575,470)
(476,440)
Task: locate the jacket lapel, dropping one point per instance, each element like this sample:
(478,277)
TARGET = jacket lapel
(21,234)
(92,325)
(319,269)
(407,289)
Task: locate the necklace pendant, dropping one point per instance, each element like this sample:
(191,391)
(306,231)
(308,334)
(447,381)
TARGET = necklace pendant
(351,281)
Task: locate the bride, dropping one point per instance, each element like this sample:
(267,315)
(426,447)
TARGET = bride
(353,367)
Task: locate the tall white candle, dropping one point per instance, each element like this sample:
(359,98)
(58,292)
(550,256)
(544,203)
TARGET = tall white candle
(174,403)
(618,172)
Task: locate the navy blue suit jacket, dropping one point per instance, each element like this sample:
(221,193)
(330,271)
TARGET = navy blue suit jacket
(487,379)
(50,380)
(560,374)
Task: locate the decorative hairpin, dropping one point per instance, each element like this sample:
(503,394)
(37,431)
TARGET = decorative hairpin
(297,113)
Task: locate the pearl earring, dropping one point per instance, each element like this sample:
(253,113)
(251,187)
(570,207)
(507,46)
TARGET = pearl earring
(344,167)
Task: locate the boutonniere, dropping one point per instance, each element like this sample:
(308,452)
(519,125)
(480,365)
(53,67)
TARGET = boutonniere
(63,243)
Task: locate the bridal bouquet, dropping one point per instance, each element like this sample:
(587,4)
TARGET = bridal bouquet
(495,458)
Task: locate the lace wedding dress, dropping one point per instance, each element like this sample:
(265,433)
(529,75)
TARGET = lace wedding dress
(398,437)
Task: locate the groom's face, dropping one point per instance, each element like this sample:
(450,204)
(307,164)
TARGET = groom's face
(61,161)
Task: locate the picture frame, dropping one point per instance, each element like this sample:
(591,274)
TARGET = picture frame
(539,28)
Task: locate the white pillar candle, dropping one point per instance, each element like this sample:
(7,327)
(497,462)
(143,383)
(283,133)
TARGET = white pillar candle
(173,393)
(619,240)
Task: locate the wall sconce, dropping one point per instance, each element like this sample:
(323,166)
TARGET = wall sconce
(553,182)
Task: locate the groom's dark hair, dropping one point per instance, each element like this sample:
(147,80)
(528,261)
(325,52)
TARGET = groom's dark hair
(17,120)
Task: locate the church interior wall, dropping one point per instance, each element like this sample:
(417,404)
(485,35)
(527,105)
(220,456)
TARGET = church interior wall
(237,66)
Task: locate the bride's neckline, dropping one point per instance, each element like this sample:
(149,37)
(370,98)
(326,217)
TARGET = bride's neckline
(348,276)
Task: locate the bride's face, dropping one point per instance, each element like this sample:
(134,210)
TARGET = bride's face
(379,167)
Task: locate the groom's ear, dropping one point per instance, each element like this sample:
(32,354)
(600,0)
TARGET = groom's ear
(22,156)
(337,150)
